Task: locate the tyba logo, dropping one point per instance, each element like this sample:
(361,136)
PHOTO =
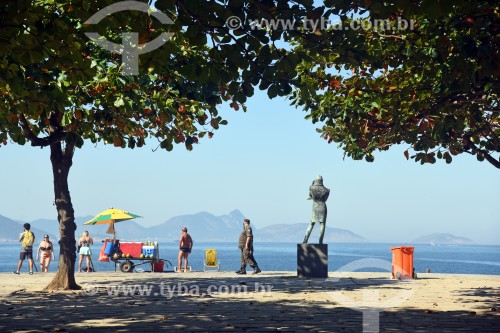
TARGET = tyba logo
(130,48)
(371,302)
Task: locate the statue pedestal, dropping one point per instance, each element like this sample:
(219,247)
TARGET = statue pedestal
(312,261)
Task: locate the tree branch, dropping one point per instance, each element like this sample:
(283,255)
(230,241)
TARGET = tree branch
(487,156)
(27,130)
(391,36)
(36,141)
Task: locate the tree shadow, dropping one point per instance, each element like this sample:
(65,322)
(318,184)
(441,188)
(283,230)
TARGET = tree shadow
(490,297)
(202,310)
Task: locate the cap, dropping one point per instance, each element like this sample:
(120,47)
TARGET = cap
(184,229)
(45,236)
(27,226)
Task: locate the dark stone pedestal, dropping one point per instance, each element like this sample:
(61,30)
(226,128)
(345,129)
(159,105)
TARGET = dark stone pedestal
(312,261)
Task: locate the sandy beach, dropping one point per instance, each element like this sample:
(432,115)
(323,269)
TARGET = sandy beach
(271,301)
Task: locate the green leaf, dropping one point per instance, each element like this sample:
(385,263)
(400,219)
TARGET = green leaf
(66,120)
(167,144)
(119,102)
(13,68)
(447,157)
(272,91)
(32,107)
(131,143)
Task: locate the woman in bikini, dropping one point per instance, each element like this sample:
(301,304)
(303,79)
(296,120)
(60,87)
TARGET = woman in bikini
(84,244)
(47,250)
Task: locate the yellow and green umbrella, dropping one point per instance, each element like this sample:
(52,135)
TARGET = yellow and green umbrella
(111,216)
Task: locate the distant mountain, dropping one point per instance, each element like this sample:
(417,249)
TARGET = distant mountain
(203,227)
(296,232)
(11,230)
(50,227)
(442,238)
(127,230)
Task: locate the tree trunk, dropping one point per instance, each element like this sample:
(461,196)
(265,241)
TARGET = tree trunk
(62,160)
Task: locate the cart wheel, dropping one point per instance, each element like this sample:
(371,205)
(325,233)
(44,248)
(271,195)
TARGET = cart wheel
(126,266)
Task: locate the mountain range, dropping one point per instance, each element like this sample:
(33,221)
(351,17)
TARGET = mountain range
(203,227)
(442,238)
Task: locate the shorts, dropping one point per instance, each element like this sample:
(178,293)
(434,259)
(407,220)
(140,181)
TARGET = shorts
(185,249)
(85,251)
(24,255)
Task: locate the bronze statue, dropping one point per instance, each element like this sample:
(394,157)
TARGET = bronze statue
(319,194)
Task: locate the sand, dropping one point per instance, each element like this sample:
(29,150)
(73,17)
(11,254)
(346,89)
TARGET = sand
(270,301)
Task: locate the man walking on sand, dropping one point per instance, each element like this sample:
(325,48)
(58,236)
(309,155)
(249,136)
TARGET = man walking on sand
(27,238)
(246,246)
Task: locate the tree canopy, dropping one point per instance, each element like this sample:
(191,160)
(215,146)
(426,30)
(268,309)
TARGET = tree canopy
(432,85)
(60,88)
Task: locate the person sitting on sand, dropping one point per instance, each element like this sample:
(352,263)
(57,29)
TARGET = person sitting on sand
(47,250)
(84,244)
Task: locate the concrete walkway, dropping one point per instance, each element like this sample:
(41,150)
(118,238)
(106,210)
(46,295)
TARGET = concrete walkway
(270,301)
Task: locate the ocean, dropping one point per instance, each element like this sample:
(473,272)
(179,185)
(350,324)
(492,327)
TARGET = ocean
(455,259)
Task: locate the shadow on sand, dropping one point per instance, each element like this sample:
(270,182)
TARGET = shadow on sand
(193,307)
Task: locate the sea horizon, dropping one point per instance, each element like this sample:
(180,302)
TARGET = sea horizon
(451,258)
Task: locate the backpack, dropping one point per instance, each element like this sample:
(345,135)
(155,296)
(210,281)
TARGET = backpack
(28,239)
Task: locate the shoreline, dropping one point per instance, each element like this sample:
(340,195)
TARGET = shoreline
(166,241)
(270,301)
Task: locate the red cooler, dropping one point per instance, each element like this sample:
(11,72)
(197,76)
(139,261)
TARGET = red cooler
(157,266)
(132,248)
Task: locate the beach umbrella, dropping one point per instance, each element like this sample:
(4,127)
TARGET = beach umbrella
(112,216)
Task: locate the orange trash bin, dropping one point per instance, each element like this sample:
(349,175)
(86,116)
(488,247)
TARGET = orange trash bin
(402,262)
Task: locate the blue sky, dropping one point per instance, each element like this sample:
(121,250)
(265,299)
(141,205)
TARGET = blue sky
(262,163)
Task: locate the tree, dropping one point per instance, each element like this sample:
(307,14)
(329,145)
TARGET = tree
(431,84)
(60,89)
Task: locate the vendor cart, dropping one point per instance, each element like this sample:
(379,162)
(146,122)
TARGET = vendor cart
(128,255)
